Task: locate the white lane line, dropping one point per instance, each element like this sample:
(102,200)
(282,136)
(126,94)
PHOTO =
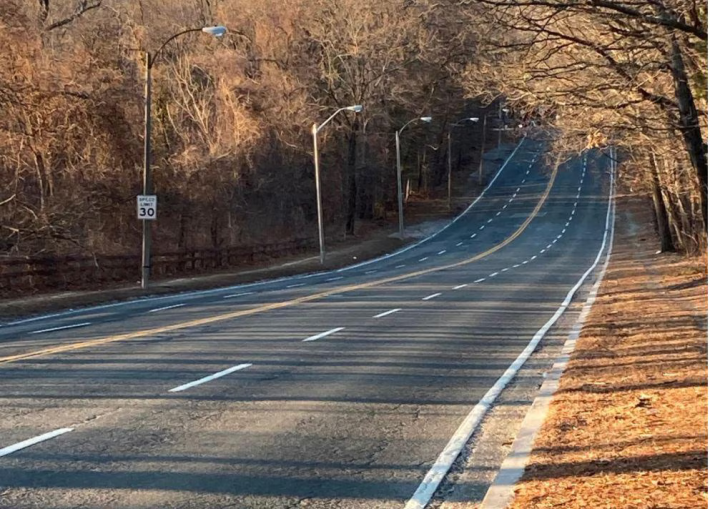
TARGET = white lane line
(337,278)
(474,235)
(296,285)
(549,246)
(510,200)
(237,295)
(166,307)
(482,227)
(424,259)
(387,313)
(61,328)
(210,378)
(527,172)
(567,223)
(505,269)
(459,244)
(516,265)
(460,286)
(533,257)
(523,181)
(400,266)
(504,206)
(32,441)
(494,274)
(559,236)
(480,280)
(515,194)
(554,241)
(525,262)
(324,334)
(370,271)
(517,190)
(573,211)
(432,296)
(490,220)
(579,188)
(441,252)
(542,251)
(498,213)
(564,230)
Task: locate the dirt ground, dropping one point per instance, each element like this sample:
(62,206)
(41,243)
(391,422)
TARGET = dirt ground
(628,427)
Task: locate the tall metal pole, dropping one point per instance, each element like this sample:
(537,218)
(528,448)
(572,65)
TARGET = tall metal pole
(400,199)
(321,238)
(147,176)
(500,121)
(449,172)
(483,148)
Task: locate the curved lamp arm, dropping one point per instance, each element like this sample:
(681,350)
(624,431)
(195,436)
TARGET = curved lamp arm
(357,109)
(217,31)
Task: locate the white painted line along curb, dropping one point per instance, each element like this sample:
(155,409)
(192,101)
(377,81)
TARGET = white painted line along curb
(165,307)
(443,463)
(387,313)
(502,490)
(324,334)
(211,377)
(32,441)
(84,324)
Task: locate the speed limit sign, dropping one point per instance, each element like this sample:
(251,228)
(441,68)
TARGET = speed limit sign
(147,206)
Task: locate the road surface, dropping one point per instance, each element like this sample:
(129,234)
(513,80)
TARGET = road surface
(333,390)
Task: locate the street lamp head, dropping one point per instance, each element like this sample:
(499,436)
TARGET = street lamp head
(217,31)
(425,119)
(357,108)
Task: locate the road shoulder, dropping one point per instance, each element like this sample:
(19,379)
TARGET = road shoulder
(628,424)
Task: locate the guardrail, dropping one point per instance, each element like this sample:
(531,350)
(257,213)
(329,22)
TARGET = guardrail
(22,275)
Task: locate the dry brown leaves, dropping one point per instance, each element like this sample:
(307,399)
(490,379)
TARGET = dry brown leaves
(628,426)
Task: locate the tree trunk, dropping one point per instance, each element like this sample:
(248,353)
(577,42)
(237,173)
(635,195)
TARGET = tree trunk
(690,125)
(659,207)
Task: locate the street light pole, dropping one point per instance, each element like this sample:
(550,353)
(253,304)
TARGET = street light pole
(217,31)
(147,176)
(451,127)
(400,198)
(483,148)
(315,130)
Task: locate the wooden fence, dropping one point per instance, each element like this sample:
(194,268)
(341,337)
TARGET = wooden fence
(22,275)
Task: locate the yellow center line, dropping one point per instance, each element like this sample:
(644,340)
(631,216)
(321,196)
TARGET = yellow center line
(279,305)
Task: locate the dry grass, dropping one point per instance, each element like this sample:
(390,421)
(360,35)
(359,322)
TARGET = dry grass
(628,426)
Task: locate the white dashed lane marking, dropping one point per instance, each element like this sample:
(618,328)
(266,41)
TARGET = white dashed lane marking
(460,286)
(432,296)
(74,326)
(324,334)
(424,259)
(387,313)
(166,307)
(237,295)
(210,378)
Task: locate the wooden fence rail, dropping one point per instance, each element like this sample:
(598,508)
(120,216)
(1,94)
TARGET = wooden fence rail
(21,275)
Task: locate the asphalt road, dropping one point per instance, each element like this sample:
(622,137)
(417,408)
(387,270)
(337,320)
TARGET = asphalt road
(333,390)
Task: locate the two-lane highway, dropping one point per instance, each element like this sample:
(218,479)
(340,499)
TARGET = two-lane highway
(337,389)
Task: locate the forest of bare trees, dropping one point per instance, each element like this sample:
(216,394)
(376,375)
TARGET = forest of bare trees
(232,158)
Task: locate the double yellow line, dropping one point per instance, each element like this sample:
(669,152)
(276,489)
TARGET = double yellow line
(279,305)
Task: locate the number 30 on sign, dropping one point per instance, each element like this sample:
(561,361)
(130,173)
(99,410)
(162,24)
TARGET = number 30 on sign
(147,206)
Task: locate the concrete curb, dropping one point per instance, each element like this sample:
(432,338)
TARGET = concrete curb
(502,490)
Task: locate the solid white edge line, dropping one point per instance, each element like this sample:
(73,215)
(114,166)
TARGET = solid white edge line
(387,313)
(324,334)
(501,491)
(52,329)
(452,450)
(432,296)
(210,378)
(165,308)
(32,441)
(203,293)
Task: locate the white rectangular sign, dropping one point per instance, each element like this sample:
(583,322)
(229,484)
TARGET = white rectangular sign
(147,206)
